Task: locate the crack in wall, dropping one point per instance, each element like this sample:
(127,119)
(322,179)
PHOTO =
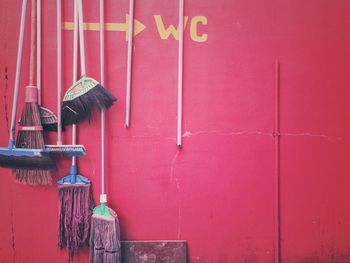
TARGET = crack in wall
(189,134)
(5,99)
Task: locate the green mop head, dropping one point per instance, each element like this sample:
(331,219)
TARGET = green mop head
(80,99)
(104,236)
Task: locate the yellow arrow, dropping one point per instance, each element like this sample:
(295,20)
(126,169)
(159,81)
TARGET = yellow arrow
(122,27)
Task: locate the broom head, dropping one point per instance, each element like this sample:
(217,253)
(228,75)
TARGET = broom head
(80,99)
(48,119)
(30,136)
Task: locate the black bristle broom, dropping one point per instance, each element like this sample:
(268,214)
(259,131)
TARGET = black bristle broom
(84,94)
(30,134)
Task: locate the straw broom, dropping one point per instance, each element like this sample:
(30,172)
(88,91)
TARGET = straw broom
(30,134)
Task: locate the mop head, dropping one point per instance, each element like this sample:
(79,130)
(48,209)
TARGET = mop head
(80,99)
(31,136)
(75,209)
(105,239)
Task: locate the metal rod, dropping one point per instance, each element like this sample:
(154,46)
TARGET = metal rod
(32,43)
(180,74)
(129,64)
(81,38)
(277,166)
(38,49)
(18,73)
(103,119)
(59,72)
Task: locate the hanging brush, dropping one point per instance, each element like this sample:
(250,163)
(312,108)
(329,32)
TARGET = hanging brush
(105,230)
(84,94)
(74,190)
(30,134)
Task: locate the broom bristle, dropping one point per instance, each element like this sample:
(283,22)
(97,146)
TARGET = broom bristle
(79,109)
(75,209)
(48,119)
(105,239)
(33,140)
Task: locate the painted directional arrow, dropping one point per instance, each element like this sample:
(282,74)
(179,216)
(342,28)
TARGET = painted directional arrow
(122,27)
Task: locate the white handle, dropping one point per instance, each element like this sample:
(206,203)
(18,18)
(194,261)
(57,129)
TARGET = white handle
(180,76)
(18,71)
(129,64)
(38,49)
(81,38)
(103,119)
(75,67)
(59,72)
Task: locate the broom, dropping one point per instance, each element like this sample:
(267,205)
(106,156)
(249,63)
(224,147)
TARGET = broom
(105,230)
(84,94)
(30,134)
(74,190)
(60,150)
(25,158)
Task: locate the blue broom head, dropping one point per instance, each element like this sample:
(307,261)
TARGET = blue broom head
(24,158)
(65,150)
(73,178)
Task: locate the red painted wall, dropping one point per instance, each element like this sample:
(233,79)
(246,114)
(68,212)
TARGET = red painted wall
(217,192)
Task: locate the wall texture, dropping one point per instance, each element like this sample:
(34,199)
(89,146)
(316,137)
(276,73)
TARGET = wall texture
(218,191)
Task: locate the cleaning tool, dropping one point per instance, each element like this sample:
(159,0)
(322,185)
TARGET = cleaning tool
(74,190)
(105,231)
(30,134)
(12,157)
(129,64)
(59,149)
(48,118)
(84,94)
(180,71)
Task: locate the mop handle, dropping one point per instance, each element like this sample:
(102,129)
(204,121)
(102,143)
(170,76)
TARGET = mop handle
(32,43)
(75,67)
(81,38)
(129,64)
(103,191)
(180,70)
(38,49)
(18,74)
(59,72)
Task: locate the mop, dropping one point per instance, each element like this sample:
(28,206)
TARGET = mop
(24,158)
(105,231)
(74,190)
(84,94)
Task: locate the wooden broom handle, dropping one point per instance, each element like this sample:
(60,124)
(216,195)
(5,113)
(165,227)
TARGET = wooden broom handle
(32,43)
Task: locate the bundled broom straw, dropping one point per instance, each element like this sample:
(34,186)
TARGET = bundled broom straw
(30,134)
